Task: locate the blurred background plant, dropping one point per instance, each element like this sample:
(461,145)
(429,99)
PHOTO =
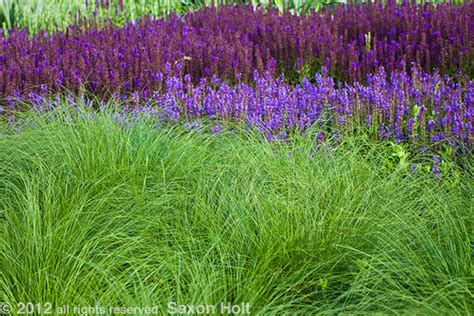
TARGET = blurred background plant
(52,14)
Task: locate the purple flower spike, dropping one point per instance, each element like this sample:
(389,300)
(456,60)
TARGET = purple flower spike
(435,168)
(216,129)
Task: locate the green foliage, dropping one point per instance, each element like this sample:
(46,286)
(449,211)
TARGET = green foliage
(124,212)
(402,156)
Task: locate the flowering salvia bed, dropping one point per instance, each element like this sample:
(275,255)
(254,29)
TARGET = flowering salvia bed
(401,71)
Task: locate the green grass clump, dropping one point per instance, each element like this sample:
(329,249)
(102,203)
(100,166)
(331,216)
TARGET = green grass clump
(96,212)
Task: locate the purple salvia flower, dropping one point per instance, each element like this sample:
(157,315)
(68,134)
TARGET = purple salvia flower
(216,129)
(436,167)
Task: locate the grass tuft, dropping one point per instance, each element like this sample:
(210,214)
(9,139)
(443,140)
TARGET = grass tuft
(102,213)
